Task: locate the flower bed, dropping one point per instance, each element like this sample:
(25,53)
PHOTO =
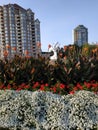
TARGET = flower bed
(58,88)
(38,95)
(47,111)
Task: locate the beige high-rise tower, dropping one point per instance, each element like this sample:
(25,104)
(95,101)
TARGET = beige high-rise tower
(17,31)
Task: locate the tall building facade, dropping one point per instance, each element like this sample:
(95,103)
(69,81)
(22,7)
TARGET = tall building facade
(17,31)
(37,31)
(80,34)
(37,36)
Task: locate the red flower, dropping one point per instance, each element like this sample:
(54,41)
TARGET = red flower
(42,88)
(46,85)
(36,85)
(71,92)
(75,88)
(14,87)
(88,85)
(8,86)
(79,86)
(22,85)
(2,86)
(54,89)
(18,89)
(26,86)
(62,86)
(94,85)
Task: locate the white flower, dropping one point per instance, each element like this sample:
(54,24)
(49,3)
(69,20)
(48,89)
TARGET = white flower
(44,110)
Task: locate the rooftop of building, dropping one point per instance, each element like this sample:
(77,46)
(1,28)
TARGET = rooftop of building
(80,26)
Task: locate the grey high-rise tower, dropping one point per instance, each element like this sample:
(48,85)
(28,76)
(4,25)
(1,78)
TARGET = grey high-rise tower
(37,36)
(37,31)
(80,35)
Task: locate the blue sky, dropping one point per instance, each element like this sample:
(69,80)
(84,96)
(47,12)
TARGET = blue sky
(59,17)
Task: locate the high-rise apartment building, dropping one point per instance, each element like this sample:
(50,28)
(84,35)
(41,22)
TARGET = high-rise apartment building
(80,35)
(37,36)
(37,31)
(17,31)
